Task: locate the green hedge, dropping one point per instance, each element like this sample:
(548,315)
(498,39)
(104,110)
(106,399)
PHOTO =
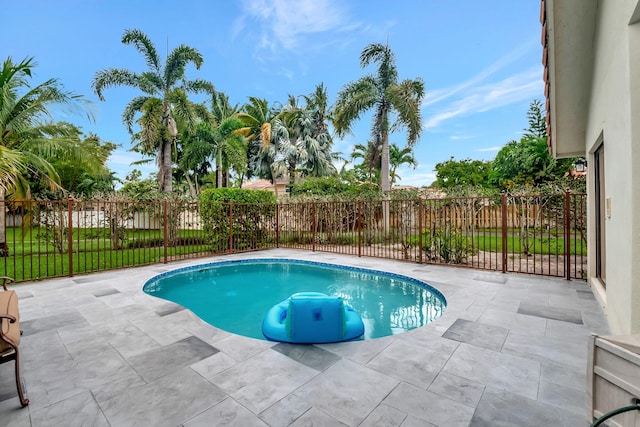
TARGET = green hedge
(251,213)
(237,195)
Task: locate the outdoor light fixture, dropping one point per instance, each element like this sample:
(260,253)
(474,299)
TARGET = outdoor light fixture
(580,165)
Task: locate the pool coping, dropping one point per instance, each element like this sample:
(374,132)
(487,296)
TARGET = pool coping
(410,279)
(198,267)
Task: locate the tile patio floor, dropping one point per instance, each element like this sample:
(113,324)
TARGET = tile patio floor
(510,350)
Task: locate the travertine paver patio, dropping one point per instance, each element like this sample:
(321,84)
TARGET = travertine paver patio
(510,350)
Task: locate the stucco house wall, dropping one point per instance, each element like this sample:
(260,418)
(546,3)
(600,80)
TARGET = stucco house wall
(613,118)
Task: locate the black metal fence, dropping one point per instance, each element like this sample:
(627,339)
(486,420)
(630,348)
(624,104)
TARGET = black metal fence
(543,235)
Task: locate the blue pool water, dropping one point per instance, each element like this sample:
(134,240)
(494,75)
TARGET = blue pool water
(236,295)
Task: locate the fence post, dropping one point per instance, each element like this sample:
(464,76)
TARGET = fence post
(504,232)
(164,231)
(420,214)
(313,226)
(70,234)
(231,227)
(359,222)
(277,225)
(567,235)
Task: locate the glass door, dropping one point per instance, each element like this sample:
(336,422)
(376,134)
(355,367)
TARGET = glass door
(601,215)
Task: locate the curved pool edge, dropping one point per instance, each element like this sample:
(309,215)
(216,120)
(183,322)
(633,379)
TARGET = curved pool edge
(409,279)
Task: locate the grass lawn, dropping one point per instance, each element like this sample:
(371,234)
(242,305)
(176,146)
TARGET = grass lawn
(52,264)
(32,257)
(544,246)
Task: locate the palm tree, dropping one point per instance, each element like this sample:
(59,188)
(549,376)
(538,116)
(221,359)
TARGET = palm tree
(28,138)
(230,150)
(164,100)
(262,147)
(398,157)
(388,97)
(309,143)
(231,147)
(194,157)
(370,155)
(214,139)
(320,144)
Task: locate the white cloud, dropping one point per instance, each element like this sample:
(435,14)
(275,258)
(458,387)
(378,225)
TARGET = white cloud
(486,97)
(438,95)
(460,137)
(478,94)
(287,73)
(489,149)
(418,177)
(284,23)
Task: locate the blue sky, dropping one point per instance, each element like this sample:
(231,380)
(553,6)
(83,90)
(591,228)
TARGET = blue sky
(480,60)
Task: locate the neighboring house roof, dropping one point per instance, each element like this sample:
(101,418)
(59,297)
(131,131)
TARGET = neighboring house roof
(568,28)
(258,184)
(263,184)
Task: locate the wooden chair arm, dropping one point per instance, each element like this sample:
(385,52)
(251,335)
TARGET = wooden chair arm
(5,280)
(4,337)
(11,318)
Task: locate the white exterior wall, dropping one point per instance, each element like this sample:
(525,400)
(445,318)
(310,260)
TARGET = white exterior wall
(634,176)
(614,118)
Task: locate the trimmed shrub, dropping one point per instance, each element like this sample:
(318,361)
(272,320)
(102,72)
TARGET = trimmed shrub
(247,216)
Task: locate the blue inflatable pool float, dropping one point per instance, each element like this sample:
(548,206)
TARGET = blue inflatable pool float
(312,318)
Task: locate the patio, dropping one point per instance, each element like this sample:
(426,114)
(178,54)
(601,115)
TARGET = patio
(509,350)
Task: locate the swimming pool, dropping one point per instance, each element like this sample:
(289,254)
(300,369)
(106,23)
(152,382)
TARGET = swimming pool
(236,295)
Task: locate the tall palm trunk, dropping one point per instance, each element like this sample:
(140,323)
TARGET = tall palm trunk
(384,167)
(384,172)
(165,178)
(219,183)
(384,139)
(274,180)
(166,184)
(193,191)
(292,174)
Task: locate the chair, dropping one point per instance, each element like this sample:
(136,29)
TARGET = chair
(10,332)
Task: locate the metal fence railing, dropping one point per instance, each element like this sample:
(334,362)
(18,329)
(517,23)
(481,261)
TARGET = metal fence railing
(542,235)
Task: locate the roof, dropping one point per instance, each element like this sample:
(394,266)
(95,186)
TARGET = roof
(263,184)
(568,28)
(260,184)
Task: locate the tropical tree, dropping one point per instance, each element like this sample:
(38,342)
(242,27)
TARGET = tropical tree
(86,175)
(230,147)
(396,104)
(29,139)
(319,143)
(164,101)
(537,123)
(230,151)
(262,148)
(397,158)
(370,155)
(454,173)
(197,148)
(309,144)
(288,126)
(528,161)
